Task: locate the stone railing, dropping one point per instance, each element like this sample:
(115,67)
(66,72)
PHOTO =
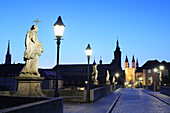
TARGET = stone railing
(80,95)
(165,90)
(98,93)
(15,104)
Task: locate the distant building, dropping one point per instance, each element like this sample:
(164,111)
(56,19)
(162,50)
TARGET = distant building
(76,74)
(7,74)
(70,76)
(150,77)
(130,71)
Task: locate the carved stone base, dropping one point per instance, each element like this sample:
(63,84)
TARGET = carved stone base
(108,82)
(96,82)
(29,86)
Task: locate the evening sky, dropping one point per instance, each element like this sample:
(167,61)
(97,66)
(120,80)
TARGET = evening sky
(142,28)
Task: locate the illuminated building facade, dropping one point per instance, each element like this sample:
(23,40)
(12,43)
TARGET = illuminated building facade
(130,71)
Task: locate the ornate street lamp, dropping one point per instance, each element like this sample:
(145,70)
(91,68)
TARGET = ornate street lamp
(58,30)
(116,76)
(88,53)
(155,70)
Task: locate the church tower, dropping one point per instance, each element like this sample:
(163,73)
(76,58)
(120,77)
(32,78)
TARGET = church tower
(133,62)
(130,71)
(127,69)
(117,55)
(126,63)
(133,69)
(8,55)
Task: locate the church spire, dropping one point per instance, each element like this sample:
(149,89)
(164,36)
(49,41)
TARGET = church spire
(117,44)
(117,54)
(8,50)
(8,55)
(133,59)
(126,60)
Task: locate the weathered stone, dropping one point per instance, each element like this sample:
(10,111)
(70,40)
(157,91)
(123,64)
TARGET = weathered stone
(29,80)
(32,52)
(29,86)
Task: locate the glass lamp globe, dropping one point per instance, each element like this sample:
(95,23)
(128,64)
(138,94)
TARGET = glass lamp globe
(161,67)
(59,27)
(88,50)
(117,75)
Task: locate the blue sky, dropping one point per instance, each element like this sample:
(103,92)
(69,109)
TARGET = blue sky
(142,27)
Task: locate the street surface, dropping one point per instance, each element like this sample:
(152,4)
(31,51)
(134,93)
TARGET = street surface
(131,101)
(136,101)
(101,106)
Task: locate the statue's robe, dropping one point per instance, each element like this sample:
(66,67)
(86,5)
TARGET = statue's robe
(32,53)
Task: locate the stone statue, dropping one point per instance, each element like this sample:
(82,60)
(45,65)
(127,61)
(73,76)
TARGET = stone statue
(95,75)
(33,51)
(113,80)
(107,78)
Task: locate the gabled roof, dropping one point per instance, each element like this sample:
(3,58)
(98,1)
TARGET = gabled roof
(150,64)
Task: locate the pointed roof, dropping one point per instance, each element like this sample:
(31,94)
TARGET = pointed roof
(126,60)
(137,62)
(8,50)
(133,59)
(94,63)
(117,43)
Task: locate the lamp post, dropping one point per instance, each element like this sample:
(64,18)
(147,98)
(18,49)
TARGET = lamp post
(155,81)
(88,53)
(117,75)
(58,30)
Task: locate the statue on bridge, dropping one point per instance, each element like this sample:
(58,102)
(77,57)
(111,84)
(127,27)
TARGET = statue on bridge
(107,78)
(29,80)
(95,75)
(33,51)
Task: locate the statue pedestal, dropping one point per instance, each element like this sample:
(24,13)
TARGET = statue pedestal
(96,82)
(108,82)
(29,86)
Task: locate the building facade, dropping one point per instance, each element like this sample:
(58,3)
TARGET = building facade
(130,71)
(70,76)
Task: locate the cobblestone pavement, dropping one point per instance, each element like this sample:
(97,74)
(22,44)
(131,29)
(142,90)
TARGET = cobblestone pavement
(136,101)
(101,106)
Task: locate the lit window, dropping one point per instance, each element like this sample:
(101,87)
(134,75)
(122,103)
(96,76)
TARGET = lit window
(149,78)
(149,70)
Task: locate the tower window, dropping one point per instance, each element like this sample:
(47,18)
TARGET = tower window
(149,70)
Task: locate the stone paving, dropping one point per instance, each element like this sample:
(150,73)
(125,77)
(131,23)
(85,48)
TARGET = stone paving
(136,101)
(101,106)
